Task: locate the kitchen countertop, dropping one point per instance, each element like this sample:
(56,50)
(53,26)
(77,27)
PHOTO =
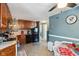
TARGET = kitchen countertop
(7,44)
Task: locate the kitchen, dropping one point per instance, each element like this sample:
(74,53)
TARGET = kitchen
(27,29)
(15,32)
(7,37)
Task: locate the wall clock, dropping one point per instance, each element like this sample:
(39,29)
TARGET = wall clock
(71,19)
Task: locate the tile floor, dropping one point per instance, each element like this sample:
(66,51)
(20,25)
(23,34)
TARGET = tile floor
(21,51)
(34,49)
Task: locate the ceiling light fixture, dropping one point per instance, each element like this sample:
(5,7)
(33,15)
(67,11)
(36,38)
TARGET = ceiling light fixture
(61,5)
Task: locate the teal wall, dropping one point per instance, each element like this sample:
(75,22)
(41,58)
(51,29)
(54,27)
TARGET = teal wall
(58,26)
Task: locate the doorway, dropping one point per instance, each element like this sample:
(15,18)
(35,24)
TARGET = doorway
(43,32)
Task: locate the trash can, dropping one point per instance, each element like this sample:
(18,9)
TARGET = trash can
(50,46)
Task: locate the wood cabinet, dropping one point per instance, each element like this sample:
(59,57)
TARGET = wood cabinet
(25,24)
(21,39)
(0,15)
(9,51)
(6,15)
(0,9)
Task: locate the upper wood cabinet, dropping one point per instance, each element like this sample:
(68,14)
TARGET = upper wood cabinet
(25,24)
(0,9)
(0,15)
(5,14)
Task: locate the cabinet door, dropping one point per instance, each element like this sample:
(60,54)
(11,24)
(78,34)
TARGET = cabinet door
(5,13)
(0,16)
(0,9)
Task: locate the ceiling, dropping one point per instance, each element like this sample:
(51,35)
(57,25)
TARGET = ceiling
(36,11)
(33,11)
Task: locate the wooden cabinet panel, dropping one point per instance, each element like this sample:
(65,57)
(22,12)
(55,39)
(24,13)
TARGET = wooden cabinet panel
(5,14)
(9,51)
(21,39)
(24,24)
(0,9)
(0,15)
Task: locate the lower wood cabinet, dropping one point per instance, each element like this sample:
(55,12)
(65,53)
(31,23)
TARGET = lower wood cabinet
(9,51)
(21,39)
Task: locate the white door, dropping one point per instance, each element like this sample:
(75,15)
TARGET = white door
(43,32)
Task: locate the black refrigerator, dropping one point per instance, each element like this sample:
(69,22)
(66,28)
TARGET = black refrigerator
(35,34)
